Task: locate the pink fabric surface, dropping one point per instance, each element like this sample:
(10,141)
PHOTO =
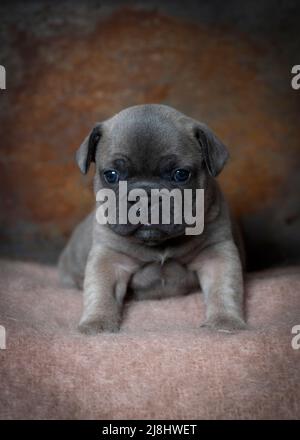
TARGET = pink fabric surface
(161,365)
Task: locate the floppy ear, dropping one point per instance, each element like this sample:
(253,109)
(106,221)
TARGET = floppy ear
(215,153)
(87,150)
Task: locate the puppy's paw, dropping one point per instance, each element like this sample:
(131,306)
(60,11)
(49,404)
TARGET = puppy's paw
(94,326)
(225,323)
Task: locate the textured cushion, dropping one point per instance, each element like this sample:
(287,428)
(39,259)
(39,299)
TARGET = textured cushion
(160,365)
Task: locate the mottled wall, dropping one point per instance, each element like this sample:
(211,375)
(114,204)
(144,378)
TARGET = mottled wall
(70,64)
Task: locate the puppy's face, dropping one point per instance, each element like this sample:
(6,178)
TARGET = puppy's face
(151,147)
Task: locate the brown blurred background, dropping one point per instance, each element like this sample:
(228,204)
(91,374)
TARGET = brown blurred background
(70,64)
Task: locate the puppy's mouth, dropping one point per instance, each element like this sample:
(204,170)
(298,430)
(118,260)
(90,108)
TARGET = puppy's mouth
(150,234)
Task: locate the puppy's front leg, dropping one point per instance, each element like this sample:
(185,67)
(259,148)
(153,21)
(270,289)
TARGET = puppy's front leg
(105,286)
(220,275)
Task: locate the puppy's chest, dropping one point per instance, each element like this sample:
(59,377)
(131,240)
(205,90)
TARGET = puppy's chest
(168,275)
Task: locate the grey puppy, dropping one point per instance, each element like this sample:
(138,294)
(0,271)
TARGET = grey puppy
(154,146)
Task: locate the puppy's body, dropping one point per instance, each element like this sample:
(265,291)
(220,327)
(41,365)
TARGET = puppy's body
(112,261)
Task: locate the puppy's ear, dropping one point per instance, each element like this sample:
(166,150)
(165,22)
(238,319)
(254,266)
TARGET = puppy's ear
(215,153)
(87,150)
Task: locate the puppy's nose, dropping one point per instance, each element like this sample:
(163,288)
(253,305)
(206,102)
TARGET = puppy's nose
(147,201)
(146,185)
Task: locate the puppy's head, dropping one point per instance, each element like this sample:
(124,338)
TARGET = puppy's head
(151,147)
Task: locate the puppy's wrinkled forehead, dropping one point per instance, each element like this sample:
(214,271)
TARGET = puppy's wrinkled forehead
(145,136)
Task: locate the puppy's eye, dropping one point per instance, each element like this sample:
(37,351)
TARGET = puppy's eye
(111,176)
(181,175)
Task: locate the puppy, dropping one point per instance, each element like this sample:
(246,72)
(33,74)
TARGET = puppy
(154,146)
